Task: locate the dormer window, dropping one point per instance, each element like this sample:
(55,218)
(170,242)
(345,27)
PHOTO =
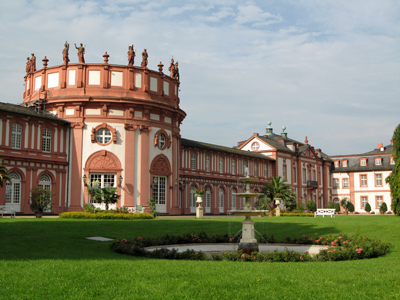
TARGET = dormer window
(344,164)
(378,161)
(336,164)
(363,162)
(391,160)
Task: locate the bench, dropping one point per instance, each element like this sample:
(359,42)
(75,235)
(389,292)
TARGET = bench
(325,212)
(136,209)
(7,210)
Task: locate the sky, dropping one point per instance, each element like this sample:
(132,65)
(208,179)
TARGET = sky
(328,70)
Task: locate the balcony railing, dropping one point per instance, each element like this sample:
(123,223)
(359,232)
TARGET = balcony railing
(312,183)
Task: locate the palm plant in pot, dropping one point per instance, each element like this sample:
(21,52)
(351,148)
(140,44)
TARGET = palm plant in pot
(345,203)
(40,200)
(277,189)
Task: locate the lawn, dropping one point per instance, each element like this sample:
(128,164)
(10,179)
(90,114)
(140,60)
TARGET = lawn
(51,259)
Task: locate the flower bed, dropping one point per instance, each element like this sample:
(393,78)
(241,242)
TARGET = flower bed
(338,247)
(105,215)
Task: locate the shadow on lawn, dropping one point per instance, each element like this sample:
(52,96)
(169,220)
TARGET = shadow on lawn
(66,239)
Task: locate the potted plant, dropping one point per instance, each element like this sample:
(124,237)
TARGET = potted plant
(311,206)
(345,202)
(199,195)
(367,208)
(383,208)
(351,207)
(40,200)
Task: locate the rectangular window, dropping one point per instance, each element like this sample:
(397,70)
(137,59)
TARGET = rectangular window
(234,167)
(363,180)
(266,171)
(313,175)
(378,179)
(378,161)
(256,169)
(16,133)
(46,140)
(304,176)
(379,201)
(284,169)
(345,183)
(336,164)
(193,161)
(364,201)
(344,164)
(363,162)
(221,165)
(294,174)
(159,190)
(208,163)
(392,161)
(335,183)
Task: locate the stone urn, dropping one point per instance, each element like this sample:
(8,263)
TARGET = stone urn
(199,208)
(278,209)
(38,214)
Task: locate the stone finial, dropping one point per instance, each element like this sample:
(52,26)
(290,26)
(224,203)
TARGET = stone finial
(160,67)
(284,134)
(269,128)
(45,62)
(306,141)
(106,56)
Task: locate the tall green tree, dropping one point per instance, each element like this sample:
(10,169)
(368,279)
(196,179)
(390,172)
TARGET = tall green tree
(3,175)
(394,179)
(277,188)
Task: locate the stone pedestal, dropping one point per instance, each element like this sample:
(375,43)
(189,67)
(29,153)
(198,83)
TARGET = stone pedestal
(199,212)
(248,243)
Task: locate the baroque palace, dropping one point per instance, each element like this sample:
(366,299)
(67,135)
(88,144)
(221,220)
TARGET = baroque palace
(120,126)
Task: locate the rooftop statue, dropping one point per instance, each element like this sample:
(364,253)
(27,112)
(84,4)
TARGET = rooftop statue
(65,53)
(81,52)
(28,66)
(33,63)
(131,56)
(173,68)
(145,56)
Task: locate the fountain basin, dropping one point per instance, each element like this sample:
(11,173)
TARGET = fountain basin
(247,213)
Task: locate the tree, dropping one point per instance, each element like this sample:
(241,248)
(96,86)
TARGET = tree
(3,175)
(106,195)
(40,200)
(394,179)
(277,188)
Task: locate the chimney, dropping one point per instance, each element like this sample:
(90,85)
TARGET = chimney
(284,134)
(380,145)
(269,128)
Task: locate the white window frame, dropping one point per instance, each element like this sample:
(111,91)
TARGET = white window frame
(46,140)
(221,200)
(363,180)
(13,189)
(103,136)
(233,199)
(16,136)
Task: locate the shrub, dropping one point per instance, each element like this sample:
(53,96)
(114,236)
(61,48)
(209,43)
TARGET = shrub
(345,203)
(311,206)
(105,215)
(383,208)
(152,205)
(351,207)
(338,247)
(89,208)
(367,207)
(40,199)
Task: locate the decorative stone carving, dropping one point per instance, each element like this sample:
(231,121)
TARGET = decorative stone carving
(45,62)
(160,67)
(103,161)
(65,53)
(160,165)
(131,56)
(145,57)
(81,52)
(105,57)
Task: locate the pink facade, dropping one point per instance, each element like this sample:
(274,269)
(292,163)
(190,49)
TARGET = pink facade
(119,126)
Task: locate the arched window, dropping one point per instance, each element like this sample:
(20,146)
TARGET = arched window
(221,200)
(45,182)
(233,199)
(46,140)
(13,189)
(208,199)
(16,133)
